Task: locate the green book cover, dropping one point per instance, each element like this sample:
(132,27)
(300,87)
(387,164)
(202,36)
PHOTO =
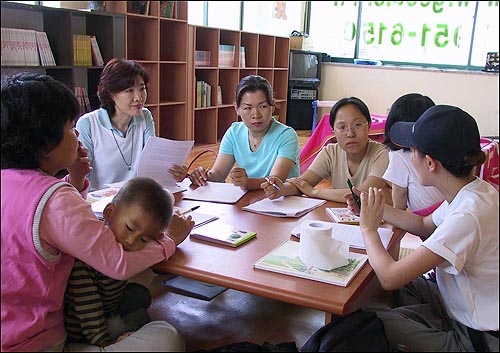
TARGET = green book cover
(221,233)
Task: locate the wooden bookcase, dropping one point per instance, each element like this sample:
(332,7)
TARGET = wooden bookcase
(265,55)
(160,44)
(60,25)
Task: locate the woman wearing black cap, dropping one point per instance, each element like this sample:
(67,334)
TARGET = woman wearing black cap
(458,312)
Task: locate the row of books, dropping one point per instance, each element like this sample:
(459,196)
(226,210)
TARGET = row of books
(83,99)
(86,51)
(168,9)
(226,56)
(203,92)
(26,47)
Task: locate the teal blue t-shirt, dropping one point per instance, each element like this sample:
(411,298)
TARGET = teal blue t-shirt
(280,141)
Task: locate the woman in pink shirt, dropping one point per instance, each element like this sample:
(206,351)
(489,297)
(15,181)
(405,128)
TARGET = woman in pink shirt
(46,223)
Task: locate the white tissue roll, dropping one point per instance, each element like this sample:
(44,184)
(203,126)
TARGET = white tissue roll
(317,247)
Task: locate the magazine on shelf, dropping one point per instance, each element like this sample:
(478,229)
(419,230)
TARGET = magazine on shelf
(285,259)
(287,206)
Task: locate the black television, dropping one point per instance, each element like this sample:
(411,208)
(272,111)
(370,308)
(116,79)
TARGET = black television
(305,68)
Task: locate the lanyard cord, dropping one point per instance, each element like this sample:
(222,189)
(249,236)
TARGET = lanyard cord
(121,153)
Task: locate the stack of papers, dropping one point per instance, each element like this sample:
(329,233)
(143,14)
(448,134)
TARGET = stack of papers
(288,206)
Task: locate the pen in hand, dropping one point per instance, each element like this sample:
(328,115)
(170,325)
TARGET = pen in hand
(189,210)
(273,184)
(354,196)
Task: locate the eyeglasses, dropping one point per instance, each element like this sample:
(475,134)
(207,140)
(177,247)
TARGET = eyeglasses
(342,130)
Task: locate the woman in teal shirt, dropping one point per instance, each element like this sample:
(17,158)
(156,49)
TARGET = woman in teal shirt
(259,145)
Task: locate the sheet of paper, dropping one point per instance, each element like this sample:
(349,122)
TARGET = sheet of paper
(216,192)
(159,155)
(352,233)
(288,206)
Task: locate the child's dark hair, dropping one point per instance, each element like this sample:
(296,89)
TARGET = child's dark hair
(409,108)
(148,194)
(35,108)
(118,75)
(254,83)
(358,103)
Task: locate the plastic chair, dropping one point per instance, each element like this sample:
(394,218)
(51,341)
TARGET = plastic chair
(489,169)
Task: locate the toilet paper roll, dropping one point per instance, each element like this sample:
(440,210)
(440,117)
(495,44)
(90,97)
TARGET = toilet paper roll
(317,247)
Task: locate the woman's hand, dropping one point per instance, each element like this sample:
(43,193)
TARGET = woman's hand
(80,168)
(239,177)
(199,176)
(179,228)
(273,187)
(179,172)
(351,204)
(303,186)
(372,209)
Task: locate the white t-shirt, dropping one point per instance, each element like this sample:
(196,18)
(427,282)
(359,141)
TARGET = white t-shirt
(467,238)
(401,172)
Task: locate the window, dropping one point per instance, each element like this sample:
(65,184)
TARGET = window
(278,18)
(427,33)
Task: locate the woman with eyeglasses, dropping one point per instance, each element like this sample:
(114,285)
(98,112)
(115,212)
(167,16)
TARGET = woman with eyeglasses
(354,156)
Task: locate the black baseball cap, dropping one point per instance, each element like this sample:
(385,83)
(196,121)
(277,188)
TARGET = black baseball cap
(444,132)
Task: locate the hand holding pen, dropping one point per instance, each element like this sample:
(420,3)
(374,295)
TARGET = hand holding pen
(273,187)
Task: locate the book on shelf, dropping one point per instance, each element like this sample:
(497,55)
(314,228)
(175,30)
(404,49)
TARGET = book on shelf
(216,192)
(96,52)
(82,50)
(44,49)
(342,215)
(83,99)
(167,9)
(285,259)
(199,218)
(226,55)
(219,232)
(19,47)
(219,95)
(202,58)
(203,94)
(287,206)
(242,57)
(139,7)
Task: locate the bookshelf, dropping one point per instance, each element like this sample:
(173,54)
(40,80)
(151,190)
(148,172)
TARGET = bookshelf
(265,55)
(60,25)
(160,44)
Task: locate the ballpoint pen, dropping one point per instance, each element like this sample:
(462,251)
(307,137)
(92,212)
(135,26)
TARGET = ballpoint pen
(273,184)
(189,210)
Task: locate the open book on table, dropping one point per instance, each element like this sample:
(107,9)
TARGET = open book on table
(287,206)
(342,215)
(216,192)
(199,218)
(285,259)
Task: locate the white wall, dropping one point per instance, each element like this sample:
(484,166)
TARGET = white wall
(379,87)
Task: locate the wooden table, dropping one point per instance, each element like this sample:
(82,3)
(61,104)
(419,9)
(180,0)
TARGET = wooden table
(233,267)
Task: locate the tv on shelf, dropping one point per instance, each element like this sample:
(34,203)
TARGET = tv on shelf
(305,68)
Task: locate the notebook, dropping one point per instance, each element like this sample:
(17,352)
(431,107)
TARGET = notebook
(287,206)
(342,215)
(216,192)
(199,218)
(223,234)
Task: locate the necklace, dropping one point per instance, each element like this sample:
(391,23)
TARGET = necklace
(129,164)
(256,142)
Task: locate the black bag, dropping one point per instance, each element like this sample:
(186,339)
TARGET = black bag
(360,331)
